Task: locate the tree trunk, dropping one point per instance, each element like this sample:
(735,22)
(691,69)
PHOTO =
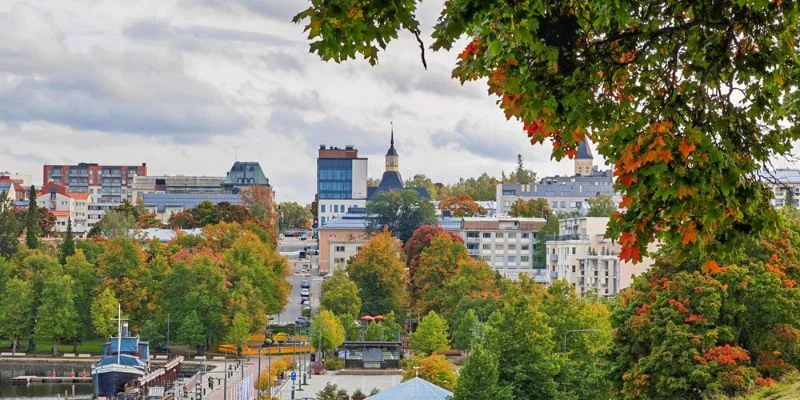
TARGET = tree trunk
(14,345)
(55,348)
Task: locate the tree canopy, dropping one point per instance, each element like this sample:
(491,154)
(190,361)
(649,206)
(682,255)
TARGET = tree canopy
(601,206)
(401,211)
(340,295)
(379,272)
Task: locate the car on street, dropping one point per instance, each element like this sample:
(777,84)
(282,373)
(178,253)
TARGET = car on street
(303,237)
(305,292)
(305,284)
(306,302)
(301,320)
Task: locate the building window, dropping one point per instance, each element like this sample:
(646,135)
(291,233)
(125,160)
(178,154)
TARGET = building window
(341,207)
(512,259)
(525,247)
(472,246)
(498,235)
(573,269)
(499,259)
(487,235)
(336,208)
(487,246)
(339,249)
(563,204)
(512,247)
(573,250)
(555,204)
(358,248)
(322,207)
(498,246)
(472,234)
(338,260)
(526,235)
(524,259)
(323,220)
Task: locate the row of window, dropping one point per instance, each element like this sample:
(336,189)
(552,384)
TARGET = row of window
(335,208)
(503,259)
(510,235)
(498,246)
(340,249)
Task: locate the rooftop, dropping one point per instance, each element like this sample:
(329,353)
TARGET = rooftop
(413,389)
(245,173)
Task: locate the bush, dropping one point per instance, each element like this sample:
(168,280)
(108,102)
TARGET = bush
(333,363)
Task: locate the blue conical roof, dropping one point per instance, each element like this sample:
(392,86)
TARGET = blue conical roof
(584,151)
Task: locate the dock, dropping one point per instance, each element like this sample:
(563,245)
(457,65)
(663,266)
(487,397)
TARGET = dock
(29,379)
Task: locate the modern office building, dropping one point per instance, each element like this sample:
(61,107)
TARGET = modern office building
(587,259)
(508,245)
(176,184)
(111,183)
(65,205)
(341,182)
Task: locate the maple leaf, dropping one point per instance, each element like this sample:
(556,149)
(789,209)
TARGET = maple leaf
(626,202)
(689,234)
(571,153)
(710,266)
(627,239)
(686,148)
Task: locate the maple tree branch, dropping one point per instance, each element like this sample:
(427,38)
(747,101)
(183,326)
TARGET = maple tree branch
(421,47)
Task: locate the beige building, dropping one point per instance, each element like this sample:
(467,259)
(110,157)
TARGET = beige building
(508,245)
(65,205)
(584,257)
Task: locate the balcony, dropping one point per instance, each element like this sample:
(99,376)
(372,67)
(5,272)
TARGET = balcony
(472,240)
(553,257)
(474,252)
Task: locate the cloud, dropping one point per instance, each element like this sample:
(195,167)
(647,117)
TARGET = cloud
(196,37)
(282,10)
(136,92)
(329,130)
(473,138)
(407,78)
(302,100)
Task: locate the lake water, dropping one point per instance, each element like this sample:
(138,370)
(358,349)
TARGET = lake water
(43,390)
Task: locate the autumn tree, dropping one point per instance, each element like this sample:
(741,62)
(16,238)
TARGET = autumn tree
(326,332)
(431,335)
(401,211)
(116,223)
(601,206)
(532,208)
(461,206)
(238,331)
(120,268)
(293,215)
(340,295)
(476,287)
(32,230)
(47,220)
(379,272)
(103,311)
(85,280)
(440,260)
(435,368)
(56,315)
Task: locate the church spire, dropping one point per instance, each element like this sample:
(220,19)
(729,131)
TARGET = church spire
(392,159)
(391,123)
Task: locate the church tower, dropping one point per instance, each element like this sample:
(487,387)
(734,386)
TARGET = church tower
(584,161)
(392,159)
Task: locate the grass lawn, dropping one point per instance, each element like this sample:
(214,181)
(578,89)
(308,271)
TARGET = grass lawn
(788,389)
(91,346)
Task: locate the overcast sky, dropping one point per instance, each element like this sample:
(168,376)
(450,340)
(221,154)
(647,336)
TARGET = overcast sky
(184,85)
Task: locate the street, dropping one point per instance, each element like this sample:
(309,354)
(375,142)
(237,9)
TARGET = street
(293,307)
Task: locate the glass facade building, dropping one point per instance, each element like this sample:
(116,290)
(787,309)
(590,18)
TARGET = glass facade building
(335,178)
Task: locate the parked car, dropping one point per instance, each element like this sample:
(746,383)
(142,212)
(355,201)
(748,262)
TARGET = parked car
(306,302)
(303,237)
(307,308)
(305,284)
(301,320)
(305,292)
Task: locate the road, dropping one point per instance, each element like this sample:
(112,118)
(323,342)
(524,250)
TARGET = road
(293,307)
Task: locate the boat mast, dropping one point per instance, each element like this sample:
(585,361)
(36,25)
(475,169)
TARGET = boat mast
(119,332)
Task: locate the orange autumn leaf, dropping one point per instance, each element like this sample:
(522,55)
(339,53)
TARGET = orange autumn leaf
(686,148)
(662,126)
(689,234)
(626,202)
(571,153)
(710,266)
(684,192)
(665,156)
(627,239)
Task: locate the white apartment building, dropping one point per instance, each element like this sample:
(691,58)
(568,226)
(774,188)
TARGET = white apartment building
(584,257)
(65,205)
(508,245)
(782,182)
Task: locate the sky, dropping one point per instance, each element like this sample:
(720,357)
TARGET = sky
(190,86)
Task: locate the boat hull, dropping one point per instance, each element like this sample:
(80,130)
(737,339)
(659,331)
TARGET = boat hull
(111,379)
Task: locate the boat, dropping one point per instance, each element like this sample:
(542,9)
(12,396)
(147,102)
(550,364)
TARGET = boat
(125,358)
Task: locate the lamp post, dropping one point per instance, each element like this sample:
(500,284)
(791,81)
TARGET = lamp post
(225,383)
(577,330)
(168,336)
(259,370)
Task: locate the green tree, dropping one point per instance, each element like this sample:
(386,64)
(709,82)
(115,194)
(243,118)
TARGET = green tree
(440,260)
(479,379)
(116,223)
(379,272)
(686,127)
(16,315)
(154,331)
(331,392)
(340,294)
(431,335)
(533,208)
(238,331)
(601,206)
(523,175)
(465,333)
(435,368)
(374,332)
(292,215)
(519,336)
(32,230)
(103,311)
(392,330)
(401,211)
(191,331)
(422,181)
(10,228)
(67,246)
(326,332)
(352,330)
(790,201)
(56,315)
(121,268)
(85,280)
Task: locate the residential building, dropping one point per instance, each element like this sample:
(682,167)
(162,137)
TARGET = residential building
(562,193)
(165,205)
(583,256)
(247,179)
(23,179)
(343,237)
(65,205)
(111,183)
(508,245)
(176,184)
(782,182)
(15,191)
(341,181)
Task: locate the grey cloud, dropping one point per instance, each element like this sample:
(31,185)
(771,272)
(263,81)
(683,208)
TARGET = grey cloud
(471,137)
(275,9)
(28,157)
(280,60)
(306,100)
(196,37)
(329,130)
(141,93)
(405,78)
